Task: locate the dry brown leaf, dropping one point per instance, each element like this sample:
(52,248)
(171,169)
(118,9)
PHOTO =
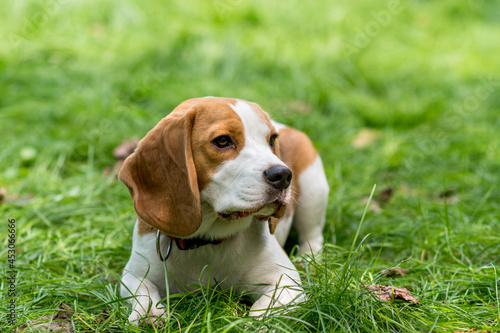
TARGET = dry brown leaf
(59,322)
(65,312)
(448,195)
(3,194)
(390,293)
(385,195)
(120,153)
(392,272)
(126,148)
(380,200)
(365,137)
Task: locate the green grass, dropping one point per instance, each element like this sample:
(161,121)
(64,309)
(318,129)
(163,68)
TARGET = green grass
(77,77)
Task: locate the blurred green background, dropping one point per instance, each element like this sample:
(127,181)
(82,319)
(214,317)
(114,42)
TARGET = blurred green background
(78,77)
(402,94)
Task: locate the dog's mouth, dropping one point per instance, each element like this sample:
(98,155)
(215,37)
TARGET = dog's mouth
(234,215)
(273,209)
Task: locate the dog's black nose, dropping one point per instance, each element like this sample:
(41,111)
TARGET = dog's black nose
(279,177)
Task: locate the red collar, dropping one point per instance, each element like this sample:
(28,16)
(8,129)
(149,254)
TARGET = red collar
(193,243)
(182,244)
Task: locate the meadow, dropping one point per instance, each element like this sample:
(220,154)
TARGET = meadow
(403,95)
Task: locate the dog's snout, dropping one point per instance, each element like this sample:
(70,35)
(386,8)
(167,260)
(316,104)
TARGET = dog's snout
(279,177)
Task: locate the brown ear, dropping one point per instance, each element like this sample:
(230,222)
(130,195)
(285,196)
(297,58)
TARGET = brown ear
(161,176)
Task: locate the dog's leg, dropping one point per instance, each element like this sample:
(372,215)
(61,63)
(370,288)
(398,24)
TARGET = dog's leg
(273,280)
(141,279)
(286,292)
(145,299)
(309,218)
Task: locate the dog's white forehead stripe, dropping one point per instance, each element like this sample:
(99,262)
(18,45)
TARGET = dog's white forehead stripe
(239,184)
(255,128)
(278,126)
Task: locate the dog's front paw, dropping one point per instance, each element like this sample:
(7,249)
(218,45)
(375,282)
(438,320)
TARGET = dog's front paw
(155,317)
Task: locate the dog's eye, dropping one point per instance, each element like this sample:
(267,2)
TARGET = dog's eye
(223,141)
(272,139)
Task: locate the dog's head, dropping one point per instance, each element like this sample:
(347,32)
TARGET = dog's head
(210,152)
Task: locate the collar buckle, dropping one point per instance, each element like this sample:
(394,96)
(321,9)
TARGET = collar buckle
(158,247)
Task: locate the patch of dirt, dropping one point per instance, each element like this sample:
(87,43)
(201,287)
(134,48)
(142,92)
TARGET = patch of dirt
(59,322)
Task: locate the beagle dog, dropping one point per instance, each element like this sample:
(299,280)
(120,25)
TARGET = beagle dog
(209,184)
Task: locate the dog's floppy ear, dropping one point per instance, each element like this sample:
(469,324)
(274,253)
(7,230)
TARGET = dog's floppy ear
(161,176)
